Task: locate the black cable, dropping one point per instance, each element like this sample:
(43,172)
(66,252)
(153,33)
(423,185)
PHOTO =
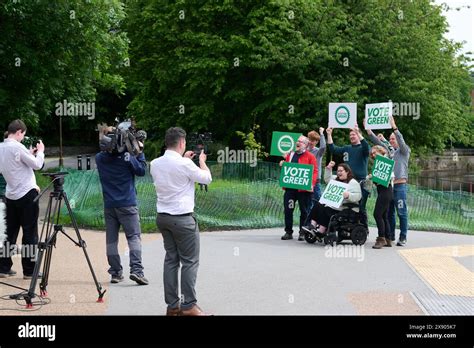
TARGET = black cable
(17,297)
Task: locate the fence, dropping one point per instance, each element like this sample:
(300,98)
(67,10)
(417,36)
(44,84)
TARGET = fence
(244,197)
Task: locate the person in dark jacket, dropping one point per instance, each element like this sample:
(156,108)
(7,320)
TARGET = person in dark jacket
(117,173)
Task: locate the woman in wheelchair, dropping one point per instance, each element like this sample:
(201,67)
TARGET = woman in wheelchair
(321,214)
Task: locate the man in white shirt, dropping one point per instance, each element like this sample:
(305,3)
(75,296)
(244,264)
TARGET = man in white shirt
(174,177)
(17,165)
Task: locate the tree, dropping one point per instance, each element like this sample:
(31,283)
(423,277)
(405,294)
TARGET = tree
(228,65)
(56,50)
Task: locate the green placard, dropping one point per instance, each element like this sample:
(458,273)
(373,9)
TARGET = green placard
(282,143)
(382,171)
(297,176)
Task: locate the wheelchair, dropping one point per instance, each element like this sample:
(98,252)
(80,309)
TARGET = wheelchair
(345,225)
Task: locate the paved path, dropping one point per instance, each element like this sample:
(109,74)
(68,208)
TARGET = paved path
(253,272)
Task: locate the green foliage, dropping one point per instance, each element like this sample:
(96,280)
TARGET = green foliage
(227,65)
(251,143)
(55,50)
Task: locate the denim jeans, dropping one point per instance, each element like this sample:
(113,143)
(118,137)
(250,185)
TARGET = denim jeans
(314,198)
(399,204)
(128,218)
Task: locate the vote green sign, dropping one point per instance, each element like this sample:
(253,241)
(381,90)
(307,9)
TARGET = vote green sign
(382,171)
(297,176)
(282,143)
(333,194)
(377,116)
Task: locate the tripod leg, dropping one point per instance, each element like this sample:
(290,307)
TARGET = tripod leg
(50,241)
(42,248)
(82,244)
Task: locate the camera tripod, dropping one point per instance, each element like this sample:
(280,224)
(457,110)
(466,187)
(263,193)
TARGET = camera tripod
(47,241)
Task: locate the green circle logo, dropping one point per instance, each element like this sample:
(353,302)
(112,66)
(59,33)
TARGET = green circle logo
(342,115)
(285,144)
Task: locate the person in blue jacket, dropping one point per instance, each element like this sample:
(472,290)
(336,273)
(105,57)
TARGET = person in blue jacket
(117,173)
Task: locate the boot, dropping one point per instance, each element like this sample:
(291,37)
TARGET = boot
(379,243)
(388,242)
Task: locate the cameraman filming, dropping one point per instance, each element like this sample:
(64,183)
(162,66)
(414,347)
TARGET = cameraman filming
(17,165)
(117,171)
(174,177)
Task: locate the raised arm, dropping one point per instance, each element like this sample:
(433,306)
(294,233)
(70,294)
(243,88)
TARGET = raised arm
(322,144)
(404,149)
(34,162)
(333,148)
(138,164)
(328,172)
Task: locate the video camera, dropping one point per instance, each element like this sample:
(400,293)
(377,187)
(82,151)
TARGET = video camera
(121,138)
(30,142)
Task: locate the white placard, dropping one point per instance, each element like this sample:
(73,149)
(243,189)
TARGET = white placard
(332,195)
(377,116)
(342,115)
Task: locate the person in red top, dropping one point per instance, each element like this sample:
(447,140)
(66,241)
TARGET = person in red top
(291,196)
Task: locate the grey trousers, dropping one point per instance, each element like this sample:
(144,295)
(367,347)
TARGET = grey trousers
(181,242)
(128,218)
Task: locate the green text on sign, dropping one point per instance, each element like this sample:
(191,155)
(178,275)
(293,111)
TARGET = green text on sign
(333,194)
(282,143)
(377,116)
(382,171)
(297,176)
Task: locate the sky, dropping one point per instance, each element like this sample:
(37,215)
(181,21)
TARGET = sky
(461,23)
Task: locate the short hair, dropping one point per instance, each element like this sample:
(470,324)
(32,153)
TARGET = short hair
(173,136)
(305,139)
(314,136)
(380,150)
(5,135)
(15,126)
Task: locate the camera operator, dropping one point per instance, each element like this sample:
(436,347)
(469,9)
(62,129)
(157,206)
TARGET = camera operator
(174,177)
(117,171)
(17,165)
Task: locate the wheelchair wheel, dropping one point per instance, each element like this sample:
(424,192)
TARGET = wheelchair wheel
(359,235)
(330,238)
(309,238)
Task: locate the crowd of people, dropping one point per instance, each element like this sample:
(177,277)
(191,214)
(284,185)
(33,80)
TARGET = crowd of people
(353,170)
(174,175)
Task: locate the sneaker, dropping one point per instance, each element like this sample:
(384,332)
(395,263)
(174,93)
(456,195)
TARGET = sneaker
(301,236)
(30,276)
(287,236)
(116,279)
(401,242)
(10,273)
(141,280)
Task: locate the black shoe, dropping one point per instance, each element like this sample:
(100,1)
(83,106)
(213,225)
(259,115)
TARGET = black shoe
(401,242)
(25,276)
(141,280)
(116,279)
(287,236)
(10,273)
